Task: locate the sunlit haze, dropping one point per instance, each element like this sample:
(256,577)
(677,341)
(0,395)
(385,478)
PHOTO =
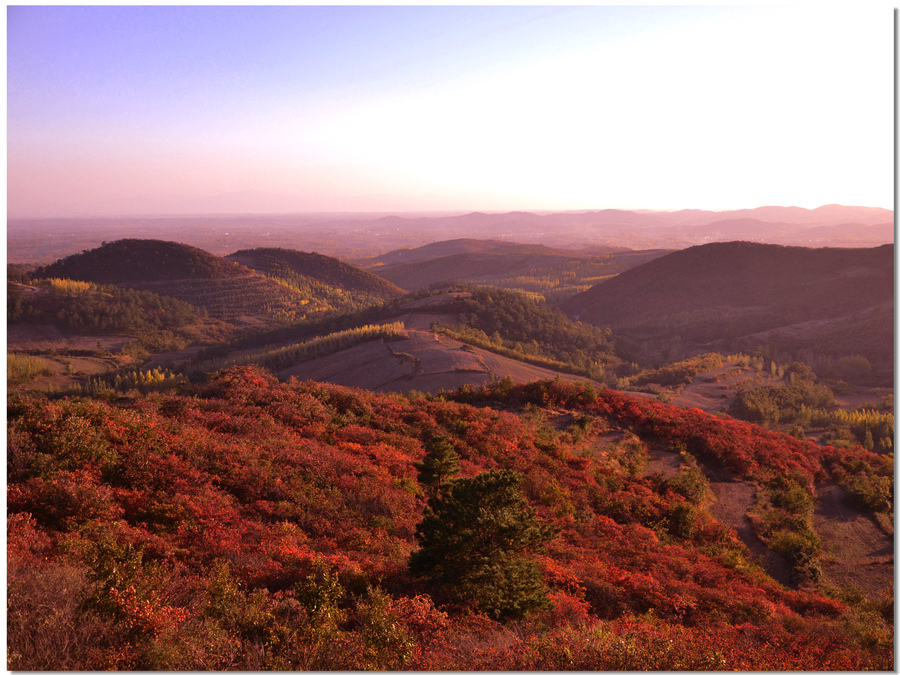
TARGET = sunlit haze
(117,110)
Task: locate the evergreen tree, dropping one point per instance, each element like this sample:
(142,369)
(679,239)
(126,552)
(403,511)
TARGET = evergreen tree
(440,463)
(475,539)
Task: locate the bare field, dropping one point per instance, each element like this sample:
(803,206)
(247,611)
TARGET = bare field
(370,365)
(45,338)
(424,362)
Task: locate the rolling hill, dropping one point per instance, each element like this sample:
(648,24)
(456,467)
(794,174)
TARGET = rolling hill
(740,295)
(468,267)
(129,261)
(442,249)
(427,342)
(293,266)
(534,268)
(226,289)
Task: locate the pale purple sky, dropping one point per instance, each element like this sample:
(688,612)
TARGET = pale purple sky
(114,110)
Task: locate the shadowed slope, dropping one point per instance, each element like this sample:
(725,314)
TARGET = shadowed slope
(808,303)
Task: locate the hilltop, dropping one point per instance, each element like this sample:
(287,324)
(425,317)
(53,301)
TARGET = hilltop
(740,295)
(141,261)
(226,289)
(296,266)
(442,249)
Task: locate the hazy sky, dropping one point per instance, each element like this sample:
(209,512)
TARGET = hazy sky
(160,109)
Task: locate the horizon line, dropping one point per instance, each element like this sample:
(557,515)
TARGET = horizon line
(416,212)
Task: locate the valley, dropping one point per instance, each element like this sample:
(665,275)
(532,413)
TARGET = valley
(224,453)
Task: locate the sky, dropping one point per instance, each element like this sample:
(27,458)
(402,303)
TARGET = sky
(170,109)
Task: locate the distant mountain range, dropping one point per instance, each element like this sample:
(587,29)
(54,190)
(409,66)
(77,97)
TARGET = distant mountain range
(365,236)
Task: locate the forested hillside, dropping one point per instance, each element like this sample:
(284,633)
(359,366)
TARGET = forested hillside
(517,324)
(250,524)
(344,286)
(85,307)
(140,260)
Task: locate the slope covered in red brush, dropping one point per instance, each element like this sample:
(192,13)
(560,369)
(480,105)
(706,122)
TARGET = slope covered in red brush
(250,524)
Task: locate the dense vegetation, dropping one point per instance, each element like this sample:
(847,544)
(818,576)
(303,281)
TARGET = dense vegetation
(249,524)
(676,374)
(490,317)
(82,307)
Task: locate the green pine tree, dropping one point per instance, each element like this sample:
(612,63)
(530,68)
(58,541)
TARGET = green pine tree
(474,545)
(440,463)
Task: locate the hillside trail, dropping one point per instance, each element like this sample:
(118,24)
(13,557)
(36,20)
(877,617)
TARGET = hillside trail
(857,553)
(733,499)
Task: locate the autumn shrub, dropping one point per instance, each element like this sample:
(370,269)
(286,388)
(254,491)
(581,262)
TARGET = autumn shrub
(387,645)
(248,524)
(22,368)
(690,482)
(48,623)
(790,495)
(801,550)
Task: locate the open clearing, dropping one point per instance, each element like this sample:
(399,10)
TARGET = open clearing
(716,389)
(425,362)
(45,338)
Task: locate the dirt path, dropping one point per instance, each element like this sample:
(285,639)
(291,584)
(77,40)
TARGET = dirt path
(857,553)
(733,500)
(663,462)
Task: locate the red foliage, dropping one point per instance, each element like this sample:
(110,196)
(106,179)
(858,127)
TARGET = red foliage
(272,477)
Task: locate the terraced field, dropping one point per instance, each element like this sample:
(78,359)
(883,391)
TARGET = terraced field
(244,299)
